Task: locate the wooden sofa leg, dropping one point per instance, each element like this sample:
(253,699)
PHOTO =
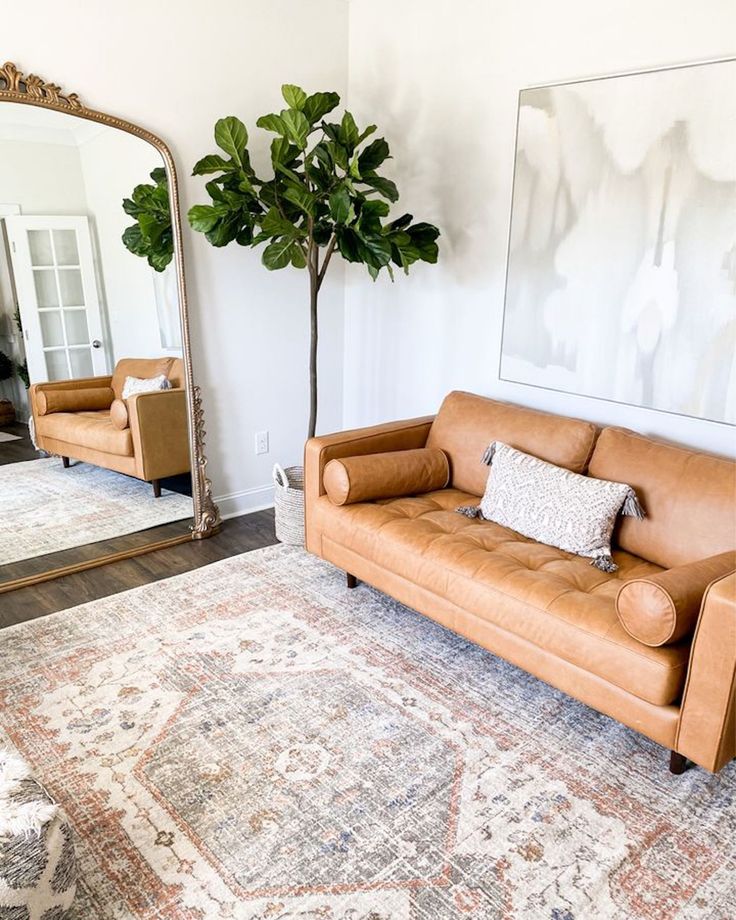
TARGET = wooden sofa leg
(678,763)
(65,461)
(351,580)
(156,483)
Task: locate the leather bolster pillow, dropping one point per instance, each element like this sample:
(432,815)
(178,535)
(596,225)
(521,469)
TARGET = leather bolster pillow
(386,475)
(664,608)
(83,399)
(119,415)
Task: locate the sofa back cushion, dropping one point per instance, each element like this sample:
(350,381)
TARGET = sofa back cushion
(138,367)
(466,424)
(688,497)
(176,374)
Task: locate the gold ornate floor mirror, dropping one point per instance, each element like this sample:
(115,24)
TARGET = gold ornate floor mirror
(105,458)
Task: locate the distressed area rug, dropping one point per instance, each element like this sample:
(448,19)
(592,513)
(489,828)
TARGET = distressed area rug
(46,508)
(253,740)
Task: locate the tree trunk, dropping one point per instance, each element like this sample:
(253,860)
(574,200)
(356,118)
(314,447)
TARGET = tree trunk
(314,330)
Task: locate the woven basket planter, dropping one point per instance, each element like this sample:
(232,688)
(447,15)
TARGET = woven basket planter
(289,504)
(7,412)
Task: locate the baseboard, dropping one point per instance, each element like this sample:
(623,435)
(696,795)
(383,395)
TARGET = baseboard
(244,502)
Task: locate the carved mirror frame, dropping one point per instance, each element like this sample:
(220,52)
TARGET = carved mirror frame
(34,90)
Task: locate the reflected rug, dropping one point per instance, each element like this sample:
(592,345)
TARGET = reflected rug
(253,740)
(46,508)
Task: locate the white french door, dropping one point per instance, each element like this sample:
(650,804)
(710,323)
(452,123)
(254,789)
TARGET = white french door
(54,274)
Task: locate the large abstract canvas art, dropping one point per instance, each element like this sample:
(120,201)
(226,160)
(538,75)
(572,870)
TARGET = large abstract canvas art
(621,276)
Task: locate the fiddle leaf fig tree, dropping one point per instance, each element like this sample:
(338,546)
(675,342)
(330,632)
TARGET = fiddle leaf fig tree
(325,196)
(151,236)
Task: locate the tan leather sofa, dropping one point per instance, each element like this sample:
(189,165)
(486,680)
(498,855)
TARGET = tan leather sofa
(543,609)
(72,418)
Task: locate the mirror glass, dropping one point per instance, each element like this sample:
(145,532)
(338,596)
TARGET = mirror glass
(94,439)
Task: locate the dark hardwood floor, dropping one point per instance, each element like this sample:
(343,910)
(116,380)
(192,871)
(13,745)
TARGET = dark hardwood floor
(17,451)
(238,535)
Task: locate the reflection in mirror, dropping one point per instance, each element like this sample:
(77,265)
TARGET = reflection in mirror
(94,440)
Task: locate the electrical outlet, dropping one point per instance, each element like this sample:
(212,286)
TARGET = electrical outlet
(261,442)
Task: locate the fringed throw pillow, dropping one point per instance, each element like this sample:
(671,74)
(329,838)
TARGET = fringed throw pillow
(552,505)
(135,385)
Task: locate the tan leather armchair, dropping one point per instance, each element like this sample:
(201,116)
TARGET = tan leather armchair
(653,645)
(73,419)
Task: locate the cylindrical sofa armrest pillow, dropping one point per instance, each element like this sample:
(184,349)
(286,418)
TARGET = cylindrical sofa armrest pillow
(119,415)
(385,475)
(83,399)
(664,608)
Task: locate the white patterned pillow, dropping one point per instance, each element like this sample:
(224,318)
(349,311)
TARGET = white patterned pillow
(552,505)
(135,385)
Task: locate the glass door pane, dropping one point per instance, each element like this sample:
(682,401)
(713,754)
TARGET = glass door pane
(39,244)
(65,247)
(47,294)
(75,324)
(56,365)
(81,362)
(52,333)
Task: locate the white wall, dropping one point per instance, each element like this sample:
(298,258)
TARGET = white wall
(113,163)
(441,79)
(175,67)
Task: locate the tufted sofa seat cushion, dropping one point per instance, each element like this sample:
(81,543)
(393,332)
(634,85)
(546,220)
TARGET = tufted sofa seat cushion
(549,597)
(92,430)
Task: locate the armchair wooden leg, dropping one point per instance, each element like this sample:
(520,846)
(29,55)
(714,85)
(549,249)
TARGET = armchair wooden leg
(351,580)
(65,461)
(156,483)
(678,763)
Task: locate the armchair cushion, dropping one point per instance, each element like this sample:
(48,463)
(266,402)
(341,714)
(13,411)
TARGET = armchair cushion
(385,475)
(662,609)
(119,415)
(83,399)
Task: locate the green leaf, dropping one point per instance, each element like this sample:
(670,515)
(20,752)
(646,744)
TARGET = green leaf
(424,237)
(299,196)
(278,254)
(376,250)
(384,187)
(214,191)
(366,132)
(296,126)
(272,123)
(244,236)
(354,170)
(348,244)
(159,260)
(274,223)
(151,228)
(134,242)
(294,96)
(203,217)
(224,231)
(373,155)
(159,177)
(212,163)
(283,152)
(349,133)
(298,258)
(339,154)
(401,222)
(318,105)
(341,207)
(232,137)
